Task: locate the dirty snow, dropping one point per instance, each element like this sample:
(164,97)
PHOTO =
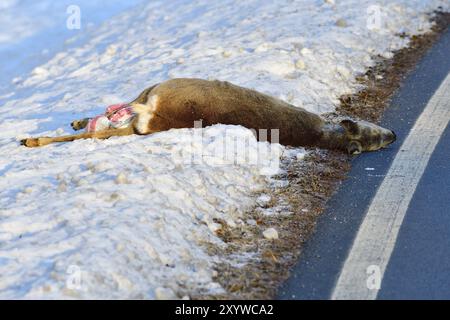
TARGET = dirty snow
(131,217)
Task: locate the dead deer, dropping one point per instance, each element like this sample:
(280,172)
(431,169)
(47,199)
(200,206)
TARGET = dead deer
(178,103)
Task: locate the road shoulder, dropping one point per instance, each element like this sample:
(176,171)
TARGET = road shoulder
(323,255)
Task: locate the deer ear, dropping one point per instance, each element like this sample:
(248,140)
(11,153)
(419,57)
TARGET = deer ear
(354,148)
(350,126)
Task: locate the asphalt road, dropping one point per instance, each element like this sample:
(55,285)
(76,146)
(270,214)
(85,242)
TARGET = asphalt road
(419,266)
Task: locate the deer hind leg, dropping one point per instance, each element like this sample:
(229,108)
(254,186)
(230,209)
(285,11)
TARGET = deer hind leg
(80,124)
(104,134)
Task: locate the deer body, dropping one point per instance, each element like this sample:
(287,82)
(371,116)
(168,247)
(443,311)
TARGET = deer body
(178,103)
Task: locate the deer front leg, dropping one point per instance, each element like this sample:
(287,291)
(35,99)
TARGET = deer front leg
(104,134)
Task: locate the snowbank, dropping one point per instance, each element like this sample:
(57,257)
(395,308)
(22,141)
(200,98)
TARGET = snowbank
(129,217)
(123,217)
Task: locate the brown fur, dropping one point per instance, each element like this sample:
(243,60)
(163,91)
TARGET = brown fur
(178,103)
(183,101)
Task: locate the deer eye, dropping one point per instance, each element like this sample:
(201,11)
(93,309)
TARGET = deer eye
(354,147)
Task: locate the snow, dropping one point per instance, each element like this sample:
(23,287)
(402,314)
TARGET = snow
(132,217)
(133,221)
(35,30)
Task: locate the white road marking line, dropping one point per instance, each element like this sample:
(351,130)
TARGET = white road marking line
(378,232)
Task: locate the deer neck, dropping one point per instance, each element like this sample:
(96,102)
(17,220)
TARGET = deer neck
(333,137)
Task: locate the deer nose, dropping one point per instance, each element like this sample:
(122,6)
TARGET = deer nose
(394,136)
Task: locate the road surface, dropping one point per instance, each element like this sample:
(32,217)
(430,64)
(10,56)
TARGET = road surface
(386,233)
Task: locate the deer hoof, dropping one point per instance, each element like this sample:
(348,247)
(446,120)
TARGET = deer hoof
(30,142)
(35,142)
(79,124)
(75,125)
